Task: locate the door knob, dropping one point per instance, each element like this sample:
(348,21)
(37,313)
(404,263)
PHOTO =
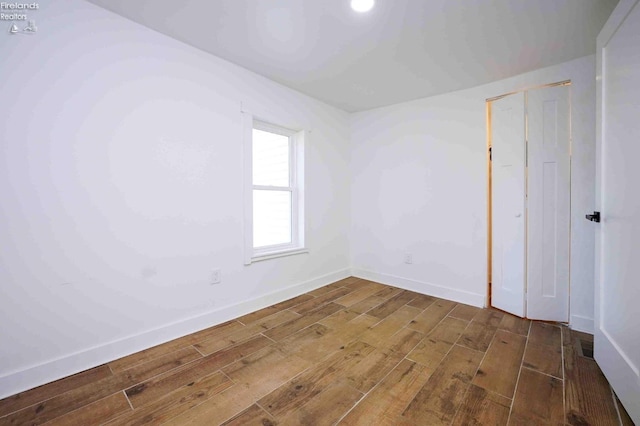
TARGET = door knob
(595,217)
(518,214)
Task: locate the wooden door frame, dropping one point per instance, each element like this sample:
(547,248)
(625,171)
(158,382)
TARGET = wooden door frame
(489,204)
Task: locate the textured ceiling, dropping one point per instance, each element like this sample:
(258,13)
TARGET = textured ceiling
(401,50)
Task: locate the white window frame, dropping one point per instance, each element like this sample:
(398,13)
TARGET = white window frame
(296,188)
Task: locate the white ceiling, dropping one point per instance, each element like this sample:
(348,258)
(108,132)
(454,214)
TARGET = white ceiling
(401,50)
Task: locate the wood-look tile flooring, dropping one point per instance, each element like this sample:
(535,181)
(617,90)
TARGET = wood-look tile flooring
(352,353)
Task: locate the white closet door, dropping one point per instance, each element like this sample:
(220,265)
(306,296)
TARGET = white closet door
(549,203)
(508,201)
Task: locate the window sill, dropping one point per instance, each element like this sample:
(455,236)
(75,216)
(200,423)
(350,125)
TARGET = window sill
(275,254)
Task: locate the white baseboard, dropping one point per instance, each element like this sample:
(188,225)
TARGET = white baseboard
(580,323)
(430,289)
(49,371)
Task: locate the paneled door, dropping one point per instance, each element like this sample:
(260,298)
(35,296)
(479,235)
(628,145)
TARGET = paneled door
(617,322)
(549,203)
(508,200)
(531,203)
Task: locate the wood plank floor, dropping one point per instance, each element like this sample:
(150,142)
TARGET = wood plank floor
(352,353)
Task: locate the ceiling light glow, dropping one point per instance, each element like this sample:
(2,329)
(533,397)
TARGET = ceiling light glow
(362,5)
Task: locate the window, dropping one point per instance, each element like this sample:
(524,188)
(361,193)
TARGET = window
(274,191)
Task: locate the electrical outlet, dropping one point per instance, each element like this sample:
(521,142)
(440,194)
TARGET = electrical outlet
(216,276)
(408,258)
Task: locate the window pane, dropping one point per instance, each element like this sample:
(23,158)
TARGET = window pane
(270,159)
(271,218)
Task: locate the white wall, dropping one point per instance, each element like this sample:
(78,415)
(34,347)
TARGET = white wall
(419,185)
(121,190)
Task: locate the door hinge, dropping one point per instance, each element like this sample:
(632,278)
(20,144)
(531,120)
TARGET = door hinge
(490,155)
